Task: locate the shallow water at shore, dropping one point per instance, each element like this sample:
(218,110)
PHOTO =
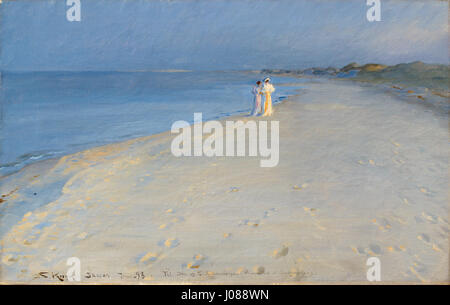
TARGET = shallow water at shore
(50,114)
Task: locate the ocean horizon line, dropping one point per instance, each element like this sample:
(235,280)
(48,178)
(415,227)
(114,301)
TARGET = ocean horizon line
(129,71)
(254,70)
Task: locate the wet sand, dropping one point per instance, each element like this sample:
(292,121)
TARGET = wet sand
(362,173)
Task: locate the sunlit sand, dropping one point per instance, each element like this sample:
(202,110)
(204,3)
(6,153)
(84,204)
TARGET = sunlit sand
(361,173)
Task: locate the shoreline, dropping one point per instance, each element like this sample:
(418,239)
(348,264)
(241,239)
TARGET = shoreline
(216,118)
(402,91)
(15,161)
(350,184)
(47,164)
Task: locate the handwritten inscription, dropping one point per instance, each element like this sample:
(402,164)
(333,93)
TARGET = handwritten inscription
(164,274)
(60,276)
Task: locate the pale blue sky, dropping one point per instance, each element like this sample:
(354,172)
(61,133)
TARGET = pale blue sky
(218,34)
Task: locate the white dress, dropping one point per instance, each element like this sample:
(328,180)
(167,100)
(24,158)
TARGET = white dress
(267,90)
(256,100)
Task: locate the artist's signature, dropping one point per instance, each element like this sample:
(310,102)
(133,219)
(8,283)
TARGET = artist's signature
(62,277)
(165,274)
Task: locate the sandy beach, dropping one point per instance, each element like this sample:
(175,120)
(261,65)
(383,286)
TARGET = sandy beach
(362,173)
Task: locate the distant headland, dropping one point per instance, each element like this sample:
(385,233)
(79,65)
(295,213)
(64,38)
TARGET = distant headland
(414,74)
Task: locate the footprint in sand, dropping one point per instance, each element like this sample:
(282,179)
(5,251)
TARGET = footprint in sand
(233,189)
(398,161)
(429,217)
(361,162)
(198,259)
(250,223)
(9,259)
(283,251)
(442,220)
(373,249)
(395,143)
(164,226)
(427,240)
(425,191)
(419,267)
(300,187)
(302,258)
(297,274)
(358,250)
(406,201)
(424,237)
(28,242)
(400,248)
(82,235)
(172,222)
(413,271)
(436,248)
(269,212)
(312,211)
(177,219)
(242,270)
(226,235)
(390,249)
(382,224)
(169,243)
(398,219)
(259,269)
(149,257)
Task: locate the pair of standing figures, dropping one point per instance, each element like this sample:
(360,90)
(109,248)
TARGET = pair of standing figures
(266,91)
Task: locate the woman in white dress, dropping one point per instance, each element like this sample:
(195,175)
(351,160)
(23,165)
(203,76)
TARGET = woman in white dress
(257,99)
(267,90)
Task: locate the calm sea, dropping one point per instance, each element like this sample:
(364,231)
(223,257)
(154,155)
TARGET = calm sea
(50,114)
